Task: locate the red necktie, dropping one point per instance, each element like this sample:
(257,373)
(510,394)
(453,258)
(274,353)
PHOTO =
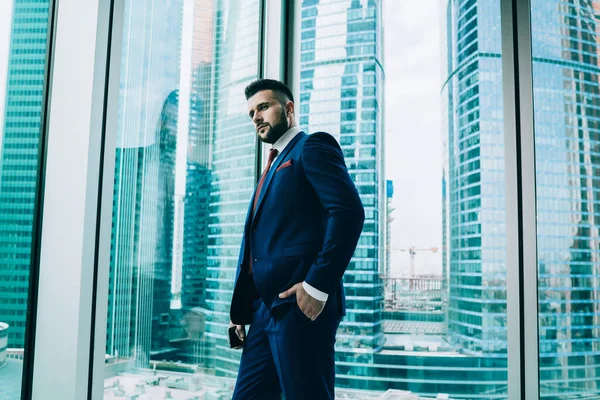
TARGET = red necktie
(272,154)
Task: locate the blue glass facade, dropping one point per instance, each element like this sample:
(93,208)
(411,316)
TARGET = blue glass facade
(198,348)
(566,71)
(198,184)
(233,165)
(476,242)
(473,187)
(143,205)
(20,143)
(566,92)
(341,92)
(220,174)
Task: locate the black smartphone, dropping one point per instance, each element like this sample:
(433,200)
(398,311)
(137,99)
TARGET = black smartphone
(234,340)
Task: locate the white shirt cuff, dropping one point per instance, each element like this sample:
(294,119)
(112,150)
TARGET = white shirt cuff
(315,293)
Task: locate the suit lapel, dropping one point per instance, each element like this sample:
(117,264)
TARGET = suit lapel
(272,170)
(249,215)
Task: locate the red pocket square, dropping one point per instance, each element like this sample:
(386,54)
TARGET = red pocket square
(284,165)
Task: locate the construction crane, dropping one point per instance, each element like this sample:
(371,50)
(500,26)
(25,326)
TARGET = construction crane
(413,252)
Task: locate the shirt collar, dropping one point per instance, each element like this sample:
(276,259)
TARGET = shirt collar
(287,137)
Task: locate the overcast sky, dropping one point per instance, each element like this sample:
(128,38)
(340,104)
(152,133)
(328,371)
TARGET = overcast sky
(413,135)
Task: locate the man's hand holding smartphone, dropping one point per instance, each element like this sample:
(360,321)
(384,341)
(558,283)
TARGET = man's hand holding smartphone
(237,335)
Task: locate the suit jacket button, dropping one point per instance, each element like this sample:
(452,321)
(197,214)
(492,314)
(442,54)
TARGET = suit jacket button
(256,259)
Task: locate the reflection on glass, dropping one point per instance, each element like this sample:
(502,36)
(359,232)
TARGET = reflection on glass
(566,71)
(185,170)
(23,37)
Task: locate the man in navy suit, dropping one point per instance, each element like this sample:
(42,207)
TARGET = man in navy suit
(302,227)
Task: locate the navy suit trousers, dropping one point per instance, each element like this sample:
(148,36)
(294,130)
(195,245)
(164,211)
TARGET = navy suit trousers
(288,353)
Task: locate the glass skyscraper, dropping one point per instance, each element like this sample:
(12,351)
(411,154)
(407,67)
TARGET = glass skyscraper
(199,151)
(233,165)
(143,207)
(341,92)
(220,175)
(473,188)
(566,83)
(475,145)
(565,38)
(20,143)
(199,349)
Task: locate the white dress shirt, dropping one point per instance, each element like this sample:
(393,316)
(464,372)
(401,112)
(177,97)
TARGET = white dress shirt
(280,145)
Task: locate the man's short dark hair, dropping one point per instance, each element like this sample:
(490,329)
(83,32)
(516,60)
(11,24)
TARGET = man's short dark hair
(283,93)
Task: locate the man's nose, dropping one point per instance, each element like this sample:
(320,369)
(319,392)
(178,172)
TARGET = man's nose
(257,119)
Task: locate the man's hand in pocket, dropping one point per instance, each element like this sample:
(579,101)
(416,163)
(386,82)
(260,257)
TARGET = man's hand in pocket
(310,306)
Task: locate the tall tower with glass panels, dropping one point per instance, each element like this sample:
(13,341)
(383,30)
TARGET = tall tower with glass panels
(566,84)
(233,165)
(473,190)
(142,243)
(199,350)
(475,187)
(165,235)
(567,132)
(19,159)
(199,150)
(143,201)
(341,92)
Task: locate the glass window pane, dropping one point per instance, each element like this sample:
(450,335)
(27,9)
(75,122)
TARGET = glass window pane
(426,289)
(566,88)
(23,37)
(185,172)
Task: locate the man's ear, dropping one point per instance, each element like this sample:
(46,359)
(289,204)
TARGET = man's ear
(289,108)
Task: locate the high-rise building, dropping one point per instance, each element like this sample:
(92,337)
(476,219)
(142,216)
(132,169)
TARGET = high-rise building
(195,247)
(19,159)
(142,243)
(198,349)
(566,93)
(220,175)
(199,156)
(566,87)
(143,206)
(233,165)
(475,186)
(165,235)
(198,183)
(341,92)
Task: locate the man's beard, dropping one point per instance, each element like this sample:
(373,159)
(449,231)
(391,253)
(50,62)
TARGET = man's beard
(276,131)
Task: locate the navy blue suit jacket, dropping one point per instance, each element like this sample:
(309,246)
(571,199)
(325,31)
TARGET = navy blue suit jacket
(307,223)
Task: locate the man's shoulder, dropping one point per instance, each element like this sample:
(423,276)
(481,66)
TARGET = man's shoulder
(322,138)
(319,146)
